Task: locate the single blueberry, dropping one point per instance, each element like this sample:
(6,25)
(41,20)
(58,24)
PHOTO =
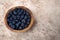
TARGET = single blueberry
(26,26)
(16,20)
(23,21)
(18,16)
(13,22)
(25,17)
(26,13)
(22,24)
(21,11)
(29,16)
(18,11)
(28,20)
(10,24)
(22,16)
(13,26)
(14,12)
(11,18)
(10,13)
(8,20)
(18,24)
(20,28)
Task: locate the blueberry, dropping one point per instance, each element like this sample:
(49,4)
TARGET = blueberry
(28,20)
(24,12)
(29,17)
(10,13)
(11,18)
(19,13)
(13,26)
(18,16)
(25,17)
(10,24)
(14,12)
(25,26)
(22,24)
(18,19)
(18,10)
(23,21)
(18,24)
(22,16)
(8,20)
(13,22)
(21,10)
(20,28)
(27,13)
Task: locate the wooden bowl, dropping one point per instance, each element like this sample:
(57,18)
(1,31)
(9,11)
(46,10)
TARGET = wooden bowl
(24,30)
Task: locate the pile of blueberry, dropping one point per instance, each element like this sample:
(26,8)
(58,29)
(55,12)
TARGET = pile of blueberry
(18,18)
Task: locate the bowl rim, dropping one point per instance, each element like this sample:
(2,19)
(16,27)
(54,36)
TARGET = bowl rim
(24,30)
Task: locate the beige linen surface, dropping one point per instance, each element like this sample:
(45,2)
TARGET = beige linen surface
(47,20)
